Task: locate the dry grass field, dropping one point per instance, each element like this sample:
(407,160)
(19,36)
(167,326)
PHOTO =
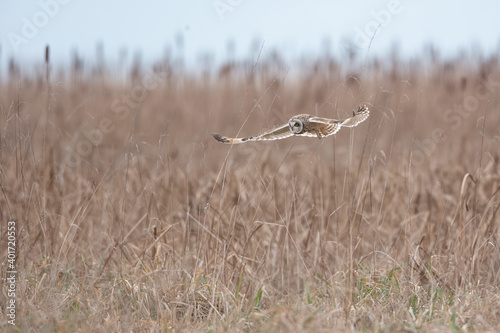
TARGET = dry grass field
(130,217)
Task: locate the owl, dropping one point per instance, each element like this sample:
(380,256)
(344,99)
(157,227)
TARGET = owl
(303,125)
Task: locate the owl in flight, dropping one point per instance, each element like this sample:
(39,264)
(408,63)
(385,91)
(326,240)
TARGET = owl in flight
(304,125)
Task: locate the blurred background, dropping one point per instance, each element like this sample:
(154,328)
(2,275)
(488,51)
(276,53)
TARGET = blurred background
(217,30)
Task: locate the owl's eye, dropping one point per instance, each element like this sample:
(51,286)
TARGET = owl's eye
(296,125)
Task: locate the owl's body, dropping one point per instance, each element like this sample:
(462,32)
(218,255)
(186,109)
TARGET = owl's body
(304,125)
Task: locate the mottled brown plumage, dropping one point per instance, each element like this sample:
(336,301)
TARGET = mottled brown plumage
(303,125)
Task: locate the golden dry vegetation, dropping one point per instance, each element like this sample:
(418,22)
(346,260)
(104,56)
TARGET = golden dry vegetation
(131,217)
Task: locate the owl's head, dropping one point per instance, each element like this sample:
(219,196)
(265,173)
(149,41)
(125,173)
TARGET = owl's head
(296,126)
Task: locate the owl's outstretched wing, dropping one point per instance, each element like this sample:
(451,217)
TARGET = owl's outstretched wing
(274,134)
(325,127)
(357,117)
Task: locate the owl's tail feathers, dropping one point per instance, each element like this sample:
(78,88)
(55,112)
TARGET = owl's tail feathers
(357,117)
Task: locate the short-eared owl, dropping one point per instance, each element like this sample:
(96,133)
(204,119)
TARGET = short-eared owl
(304,125)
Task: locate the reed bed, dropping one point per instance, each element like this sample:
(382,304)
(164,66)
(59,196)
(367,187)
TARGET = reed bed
(131,217)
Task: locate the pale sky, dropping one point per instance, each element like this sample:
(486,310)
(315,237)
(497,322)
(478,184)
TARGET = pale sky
(294,27)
